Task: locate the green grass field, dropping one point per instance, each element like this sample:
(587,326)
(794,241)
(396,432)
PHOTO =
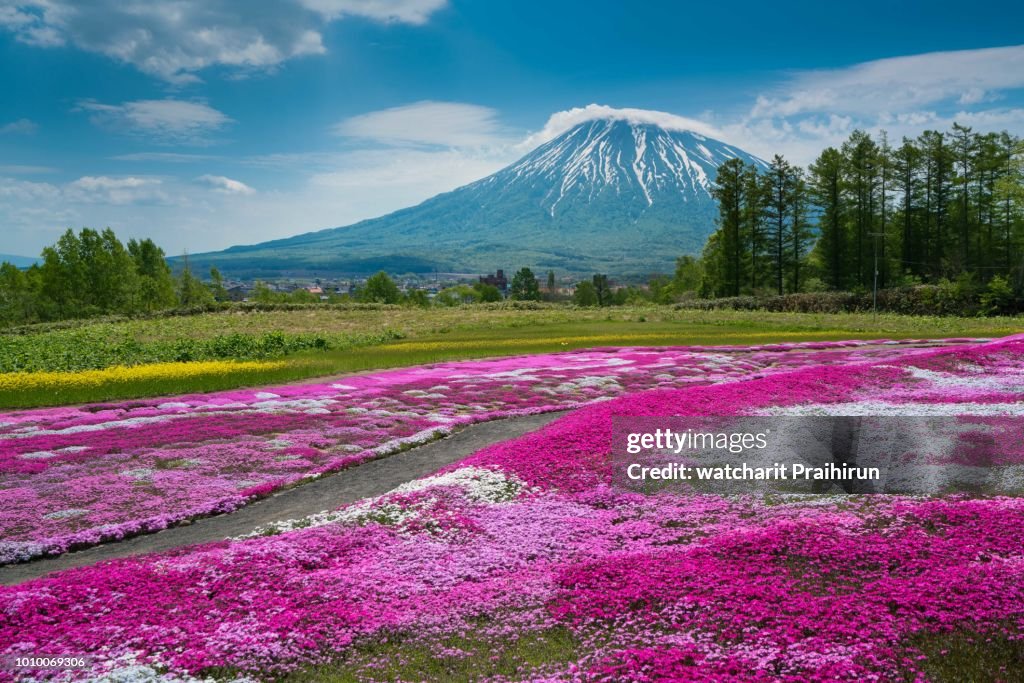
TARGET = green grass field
(360,339)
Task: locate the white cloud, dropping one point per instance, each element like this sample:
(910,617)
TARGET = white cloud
(450,124)
(175,40)
(225,185)
(167,120)
(167,157)
(810,110)
(12,189)
(25,169)
(562,121)
(898,83)
(118,191)
(22,126)
(405,11)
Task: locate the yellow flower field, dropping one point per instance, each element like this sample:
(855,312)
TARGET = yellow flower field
(44,381)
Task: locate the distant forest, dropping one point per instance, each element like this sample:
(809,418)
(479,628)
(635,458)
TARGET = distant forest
(939,208)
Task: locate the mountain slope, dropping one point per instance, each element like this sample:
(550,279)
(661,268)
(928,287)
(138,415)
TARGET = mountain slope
(608,195)
(19,261)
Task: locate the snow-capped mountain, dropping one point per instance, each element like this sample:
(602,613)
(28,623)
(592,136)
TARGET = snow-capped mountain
(639,162)
(610,194)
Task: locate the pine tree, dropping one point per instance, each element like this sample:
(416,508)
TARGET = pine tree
(729,191)
(524,286)
(825,191)
(907,168)
(860,175)
(781,179)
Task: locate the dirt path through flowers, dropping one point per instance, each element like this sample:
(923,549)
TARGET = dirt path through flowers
(363,481)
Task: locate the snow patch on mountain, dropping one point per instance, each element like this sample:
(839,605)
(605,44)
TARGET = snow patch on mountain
(628,157)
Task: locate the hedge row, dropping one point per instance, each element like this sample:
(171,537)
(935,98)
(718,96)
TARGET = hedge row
(942,299)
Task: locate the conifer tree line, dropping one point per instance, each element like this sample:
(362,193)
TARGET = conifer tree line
(94,273)
(944,206)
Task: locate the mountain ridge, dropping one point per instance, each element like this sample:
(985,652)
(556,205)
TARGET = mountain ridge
(18,261)
(606,195)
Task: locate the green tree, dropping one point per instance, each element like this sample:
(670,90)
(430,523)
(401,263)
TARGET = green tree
(907,186)
(688,275)
(860,174)
(998,297)
(487,293)
(782,179)
(458,295)
(585,294)
(381,289)
(18,296)
(752,236)
(524,286)
(938,171)
(262,293)
(89,273)
(417,297)
(659,289)
(727,271)
(156,283)
(826,191)
(220,293)
(601,289)
(192,292)
(302,296)
(801,235)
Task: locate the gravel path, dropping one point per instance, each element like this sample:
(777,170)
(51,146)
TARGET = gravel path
(363,481)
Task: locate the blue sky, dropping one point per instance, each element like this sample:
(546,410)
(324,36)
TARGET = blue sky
(206,123)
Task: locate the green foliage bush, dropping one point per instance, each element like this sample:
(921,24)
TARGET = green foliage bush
(947,298)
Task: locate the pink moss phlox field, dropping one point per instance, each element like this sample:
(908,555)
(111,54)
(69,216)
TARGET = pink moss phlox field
(528,535)
(72,477)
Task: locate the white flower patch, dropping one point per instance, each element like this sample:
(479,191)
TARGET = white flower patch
(66,514)
(39,455)
(304,404)
(522,374)
(265,395)
(1008,379)
(233,405)
(98,427)
(588,381)
(419,437)
(138,474)
(20,551)
(173,405)
(344,387)
(478,484)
